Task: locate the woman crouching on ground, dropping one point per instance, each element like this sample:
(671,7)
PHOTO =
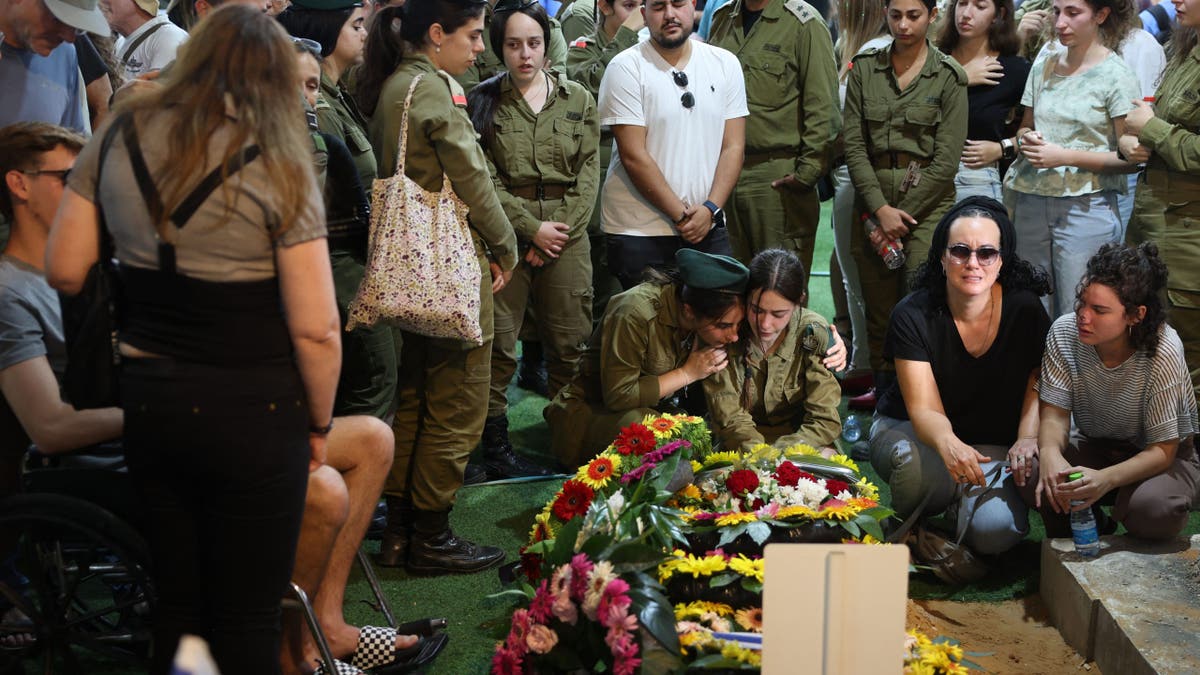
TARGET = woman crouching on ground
(776,388)
(655,339)
(967,344)
(1118,368)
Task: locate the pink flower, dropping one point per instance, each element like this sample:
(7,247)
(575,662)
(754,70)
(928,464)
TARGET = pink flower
(581,568)
(564,608)
(506,662)
(539,609)
(618,616)
(615,594)
(560,580)
(541,639)
(625,649)
(767,511)
(520,629)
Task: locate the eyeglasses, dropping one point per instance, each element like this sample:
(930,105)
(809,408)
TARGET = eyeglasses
(305,45)
(961,253)
(60,174)
(513,5)
(681,79)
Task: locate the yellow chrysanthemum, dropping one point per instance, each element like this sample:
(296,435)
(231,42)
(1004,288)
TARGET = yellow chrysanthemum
(697,608)
(918,668)
(715,458)
(703,566)
(862,503)
(668,567)
(866,489)
(803,450)
(923,640)
(696,638)
(690,491)
(846,462)
(697,467)
(730,650)
(747,567)
(936,658)
(838,511)
(796,511)
(735,518)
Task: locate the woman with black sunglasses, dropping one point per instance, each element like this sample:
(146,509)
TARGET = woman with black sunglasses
(967,346)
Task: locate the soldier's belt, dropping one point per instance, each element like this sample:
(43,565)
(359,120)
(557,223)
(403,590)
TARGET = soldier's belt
(760,157)
(898,160)
(540,191)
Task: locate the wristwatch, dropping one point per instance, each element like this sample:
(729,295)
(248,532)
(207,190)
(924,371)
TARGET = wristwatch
(718,215)
(1008,149)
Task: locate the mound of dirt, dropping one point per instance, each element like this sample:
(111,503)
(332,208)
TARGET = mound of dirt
(1016,635)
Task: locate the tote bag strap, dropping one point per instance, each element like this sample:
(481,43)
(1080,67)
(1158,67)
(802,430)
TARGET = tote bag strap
(402,146)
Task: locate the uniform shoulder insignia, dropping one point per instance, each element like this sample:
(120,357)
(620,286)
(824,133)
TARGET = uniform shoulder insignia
(581,42)
(950,63)
(457,93)
(801,10)
(323,104)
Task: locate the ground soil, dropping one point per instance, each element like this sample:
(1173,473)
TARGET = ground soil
(1016,635)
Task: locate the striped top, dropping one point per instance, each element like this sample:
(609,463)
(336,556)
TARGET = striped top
(1144,400)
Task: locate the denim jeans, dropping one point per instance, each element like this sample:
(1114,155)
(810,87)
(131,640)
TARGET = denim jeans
(984,182)
(913,469)
(1061,234)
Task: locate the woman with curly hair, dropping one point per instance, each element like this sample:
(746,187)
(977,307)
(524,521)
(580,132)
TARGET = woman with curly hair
(1118,369)
(967,344)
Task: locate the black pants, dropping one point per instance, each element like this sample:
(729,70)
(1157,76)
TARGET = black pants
(220,457)
(629,256)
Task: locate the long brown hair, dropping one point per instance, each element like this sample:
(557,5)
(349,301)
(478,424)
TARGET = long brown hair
(1002,33)
(860,21)
(237,60)
(1183,41)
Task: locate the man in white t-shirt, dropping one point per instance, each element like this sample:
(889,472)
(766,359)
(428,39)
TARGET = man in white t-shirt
(677,109)
(150,40)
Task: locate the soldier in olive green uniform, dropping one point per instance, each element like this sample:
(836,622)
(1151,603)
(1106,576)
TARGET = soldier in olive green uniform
(443,387)
(546,168)
(791,89)
(652,342)
(1166,207)
(902,150)
(578,20)
(487,64)
(367,383)
(587,60)
(784,398)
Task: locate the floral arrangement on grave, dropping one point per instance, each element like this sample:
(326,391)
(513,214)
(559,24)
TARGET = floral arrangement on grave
(659,514)
(938,656)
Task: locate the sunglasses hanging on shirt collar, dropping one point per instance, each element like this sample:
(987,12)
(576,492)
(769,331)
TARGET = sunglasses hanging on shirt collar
(681,79)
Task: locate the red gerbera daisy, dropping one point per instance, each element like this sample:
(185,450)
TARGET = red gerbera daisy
(573,500)
(635,439)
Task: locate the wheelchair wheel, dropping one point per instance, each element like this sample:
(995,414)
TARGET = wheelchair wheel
(89,596)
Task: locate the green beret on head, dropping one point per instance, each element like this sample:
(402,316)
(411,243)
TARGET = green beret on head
(326,5)
(711,272)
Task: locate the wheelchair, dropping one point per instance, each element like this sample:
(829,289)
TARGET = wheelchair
(76,590)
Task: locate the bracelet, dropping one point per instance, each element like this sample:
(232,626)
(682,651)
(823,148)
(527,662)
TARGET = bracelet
(315,430)
(1008,149)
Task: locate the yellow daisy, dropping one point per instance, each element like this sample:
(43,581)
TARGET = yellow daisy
(802,449)
(735,518)
(846,462)
(866,489)
(690,491)
(750,618)
(663,427)
(697,467)
(747,567)
(795,512)
(597,473)
(835,510)
(722,456)
(730,650)
(699,607)
(704,566)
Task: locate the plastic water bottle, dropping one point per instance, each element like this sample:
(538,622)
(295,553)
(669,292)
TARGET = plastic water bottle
(851,430)
(888,249)
(1083,527)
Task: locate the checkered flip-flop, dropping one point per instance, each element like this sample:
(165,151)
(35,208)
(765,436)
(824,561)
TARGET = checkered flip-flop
(376,651)
(339,668)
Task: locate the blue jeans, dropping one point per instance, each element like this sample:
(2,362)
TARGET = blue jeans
(913,469)
(629,256)
(1061,234)
(983,182)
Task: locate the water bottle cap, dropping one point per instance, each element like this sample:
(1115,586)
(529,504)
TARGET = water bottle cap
(1075,476)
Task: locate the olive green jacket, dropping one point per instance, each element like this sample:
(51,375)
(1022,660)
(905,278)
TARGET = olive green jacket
(487,64)
(578,20)
(441,141)
(338,115)
(588,57)
(638,340)
(928,120)
(789,397)
(791,82)
(559,145)
(1170,186)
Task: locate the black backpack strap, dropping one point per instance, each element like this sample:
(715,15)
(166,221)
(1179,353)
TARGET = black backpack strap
(106,242)
(141,172)
(189,206)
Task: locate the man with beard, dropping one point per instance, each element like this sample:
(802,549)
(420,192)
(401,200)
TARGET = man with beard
(677,110)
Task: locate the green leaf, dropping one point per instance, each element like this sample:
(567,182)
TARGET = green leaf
(542,547)
(659,620)
(564,546)
(852,528)
(752,585)
(728,534)
(725,579)
(595,545)
(759,532)
(870,526)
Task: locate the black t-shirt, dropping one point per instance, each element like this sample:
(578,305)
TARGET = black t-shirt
(91,65)
(982,396)
(988,105)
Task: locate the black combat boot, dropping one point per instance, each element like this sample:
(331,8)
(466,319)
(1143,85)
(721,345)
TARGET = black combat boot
(393,549)
(498,457)
(531,369)
(436,550)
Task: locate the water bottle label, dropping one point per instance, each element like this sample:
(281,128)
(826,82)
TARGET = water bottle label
(1084,534)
